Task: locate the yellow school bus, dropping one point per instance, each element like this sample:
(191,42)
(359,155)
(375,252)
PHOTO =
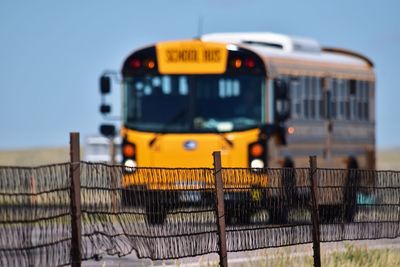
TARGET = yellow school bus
(262,99)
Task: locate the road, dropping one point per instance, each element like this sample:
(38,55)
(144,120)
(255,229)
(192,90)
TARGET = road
(244,258)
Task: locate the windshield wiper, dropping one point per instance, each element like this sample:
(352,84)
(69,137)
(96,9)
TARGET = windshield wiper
(229,142)
(177,116)
(164,128)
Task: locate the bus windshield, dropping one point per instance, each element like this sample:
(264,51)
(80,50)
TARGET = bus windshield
(193,103)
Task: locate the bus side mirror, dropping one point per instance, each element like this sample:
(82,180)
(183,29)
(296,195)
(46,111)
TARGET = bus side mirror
(108,130)
(281,100)
(104,109)
(105,85)
(281,89)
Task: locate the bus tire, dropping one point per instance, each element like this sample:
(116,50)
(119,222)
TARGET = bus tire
(156,208)
(244,216)
(155,218)
(238,214)
(350,190)
(289,182)
(126,198)
(133,196)
(279,211)
(279,215)
(155,215)
(329,213)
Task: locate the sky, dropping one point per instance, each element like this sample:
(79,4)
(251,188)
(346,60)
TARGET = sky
(52,52)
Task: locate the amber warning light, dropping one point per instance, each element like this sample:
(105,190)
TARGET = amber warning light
(256,150)
(128,150)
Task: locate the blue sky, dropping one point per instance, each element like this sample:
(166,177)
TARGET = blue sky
(52,52)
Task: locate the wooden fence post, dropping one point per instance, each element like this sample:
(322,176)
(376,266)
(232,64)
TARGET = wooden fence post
(220,206)
(75,196)
(315,212)
(114,184)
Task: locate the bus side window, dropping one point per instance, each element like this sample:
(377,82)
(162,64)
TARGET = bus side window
(334,98)
(306,94)
(346,99)
(365,101)
(371,101)
(340,98)
(353,99)
(322,99)
(295,97)
(302,96)
(359,97)
(317,98)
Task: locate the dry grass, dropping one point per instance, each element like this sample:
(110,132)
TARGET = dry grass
(387,159)
(301,256)
(351,257)
(34,156)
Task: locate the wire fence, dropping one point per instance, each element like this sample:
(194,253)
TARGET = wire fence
(161,213)
(35,227)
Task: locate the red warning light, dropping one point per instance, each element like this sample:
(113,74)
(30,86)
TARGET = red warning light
(250,63)
(135,63)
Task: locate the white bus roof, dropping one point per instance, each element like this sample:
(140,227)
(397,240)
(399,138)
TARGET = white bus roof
(290,55)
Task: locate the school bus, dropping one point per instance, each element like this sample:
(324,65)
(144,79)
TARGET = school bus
(262,99)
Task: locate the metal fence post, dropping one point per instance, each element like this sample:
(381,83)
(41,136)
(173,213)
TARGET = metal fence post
(315,212)
(220,207)
(75,196)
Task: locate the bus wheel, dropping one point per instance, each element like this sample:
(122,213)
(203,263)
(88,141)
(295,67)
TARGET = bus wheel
(278,215)
(133,196)
(279,211)
(244,216)
(238,214)
(155,215)
(329,213)
(350,190)
(126,198)
(289,183)
(156,208)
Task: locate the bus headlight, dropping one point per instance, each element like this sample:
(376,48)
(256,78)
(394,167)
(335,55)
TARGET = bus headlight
(130,165)
(257,163)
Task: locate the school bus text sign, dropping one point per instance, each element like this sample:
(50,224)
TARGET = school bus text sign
(191,57)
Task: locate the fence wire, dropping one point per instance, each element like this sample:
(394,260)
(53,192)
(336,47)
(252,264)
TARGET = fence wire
(358,204)
(35,224)
(266,208)
(158,213)
(171,213)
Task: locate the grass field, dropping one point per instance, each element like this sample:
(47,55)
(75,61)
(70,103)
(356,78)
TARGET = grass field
(352,256)
(387,159)
(34,156)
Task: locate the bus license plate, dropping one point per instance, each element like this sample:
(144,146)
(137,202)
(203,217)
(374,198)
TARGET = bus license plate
(190,196)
